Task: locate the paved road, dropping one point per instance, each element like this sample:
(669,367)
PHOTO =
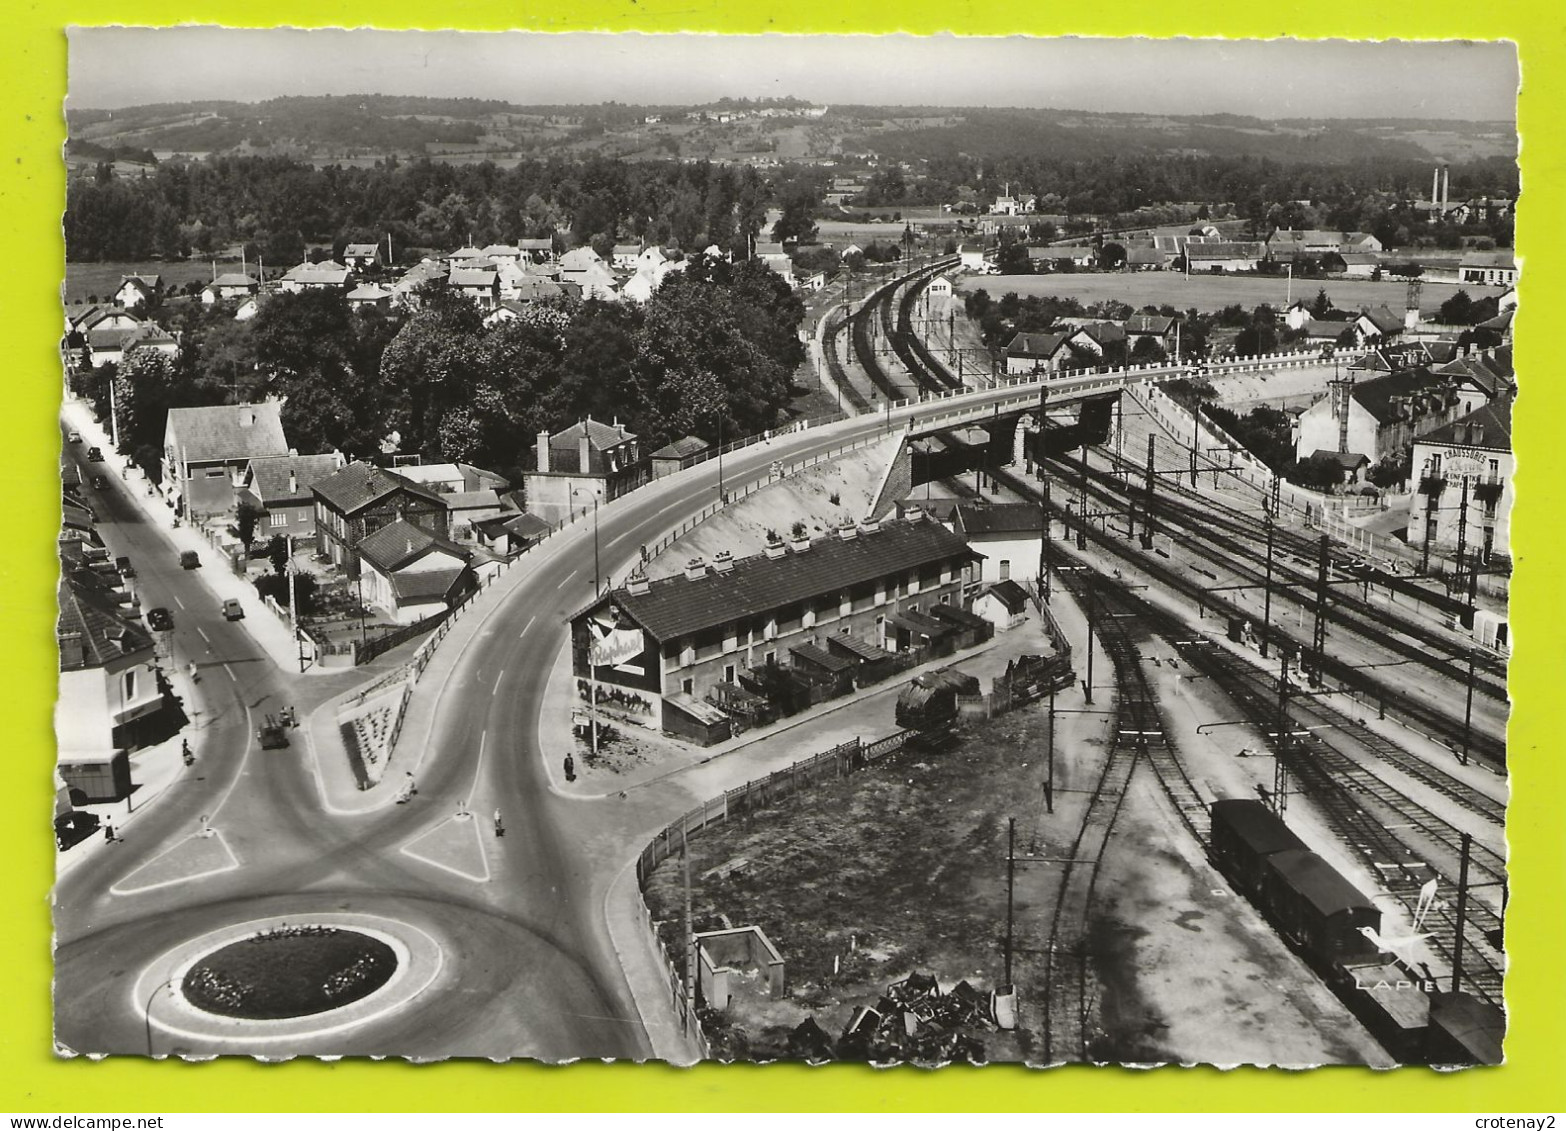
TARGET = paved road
(530,969)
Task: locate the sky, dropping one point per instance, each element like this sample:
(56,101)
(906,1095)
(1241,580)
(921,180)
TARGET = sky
(114,67)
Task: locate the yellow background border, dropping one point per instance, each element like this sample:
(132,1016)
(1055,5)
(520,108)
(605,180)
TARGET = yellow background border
(33,51)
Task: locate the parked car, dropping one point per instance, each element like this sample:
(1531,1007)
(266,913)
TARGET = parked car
(189,559)
(73,437)
(94,455)
(233,610)
(123,564)
(160,619)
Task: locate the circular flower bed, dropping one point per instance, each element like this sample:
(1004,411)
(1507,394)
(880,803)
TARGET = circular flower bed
(289,972)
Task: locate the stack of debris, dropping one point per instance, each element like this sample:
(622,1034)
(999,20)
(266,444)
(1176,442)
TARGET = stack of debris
(913,1021)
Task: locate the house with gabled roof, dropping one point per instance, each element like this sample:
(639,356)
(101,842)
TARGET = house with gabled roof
(537,249)
(425,271)
(370,296)
(1488,268)
(327,275)
(1482,377)
(1006,537)
(1158,328)
(1036,353)
(1223,256)
(135,291)
(650,647)
(1378,417)
(362,256)
(228,287)
(677,455)
(282,489)
(361,498)
(587,462)
(206,450)
(1378,324)
(410,573)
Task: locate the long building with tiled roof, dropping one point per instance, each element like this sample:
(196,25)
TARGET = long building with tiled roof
(685,635)
(360,499)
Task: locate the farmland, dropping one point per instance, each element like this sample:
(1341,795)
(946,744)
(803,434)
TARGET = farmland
(103,279)
(1155,288)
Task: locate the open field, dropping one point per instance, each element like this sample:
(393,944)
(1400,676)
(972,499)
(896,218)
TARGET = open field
(103,279)
(1213,292)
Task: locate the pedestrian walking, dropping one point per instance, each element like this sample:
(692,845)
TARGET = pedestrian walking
(108,832)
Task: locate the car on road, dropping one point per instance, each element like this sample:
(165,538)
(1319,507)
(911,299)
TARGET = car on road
(94,455)
(160,620)
(123,564)
(233,610)
(99,482)
(189,559)
(73,437)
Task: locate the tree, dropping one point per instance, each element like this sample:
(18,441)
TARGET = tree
(312,351)
(1458,310)
(1112,256)
(1147,350)
(796,222)
(1321,305)
(246,515)
(277,554)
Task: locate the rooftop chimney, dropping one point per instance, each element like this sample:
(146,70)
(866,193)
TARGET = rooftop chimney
(543,451)
(293,482)
(848,532)
(636,584)
(914,514)
(722,561)
(695,569)
(870,525)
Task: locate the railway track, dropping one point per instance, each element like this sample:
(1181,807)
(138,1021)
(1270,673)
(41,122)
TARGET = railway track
(1243,537)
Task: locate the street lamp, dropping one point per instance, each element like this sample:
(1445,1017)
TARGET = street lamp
(147,1010)
(596,572)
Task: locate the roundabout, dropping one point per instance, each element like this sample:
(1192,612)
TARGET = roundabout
(284,978)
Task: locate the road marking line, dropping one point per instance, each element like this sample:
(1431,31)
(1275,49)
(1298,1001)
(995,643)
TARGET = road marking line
(495,690)
(178,602)
(204,635)
(566,579)
(527,626)
(230,672)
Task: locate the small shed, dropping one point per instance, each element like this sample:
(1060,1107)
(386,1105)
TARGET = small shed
(95,777)
(970,628)
(871,662)
(912,630)
(687,717)
(1004,605)
(838,669)
(677,455)
(726,959)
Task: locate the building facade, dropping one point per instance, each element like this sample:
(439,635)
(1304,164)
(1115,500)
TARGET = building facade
(1469,459)
(684,636)
(359,500)
(586,464)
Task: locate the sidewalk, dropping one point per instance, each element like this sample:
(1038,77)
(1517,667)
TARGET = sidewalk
(264,627)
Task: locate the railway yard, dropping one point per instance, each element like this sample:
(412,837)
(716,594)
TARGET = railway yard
(1230,652)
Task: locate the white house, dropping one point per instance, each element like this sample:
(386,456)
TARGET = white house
(940,287)
(226,287)
(1008,535)
(1472,453)
(1004,604)
(972,258)
(327,275)
(1036,353)
(1488,268)
(136,290)
(410,573)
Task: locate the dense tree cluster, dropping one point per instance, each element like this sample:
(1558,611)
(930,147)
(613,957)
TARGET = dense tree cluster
(716,346)
(277,205)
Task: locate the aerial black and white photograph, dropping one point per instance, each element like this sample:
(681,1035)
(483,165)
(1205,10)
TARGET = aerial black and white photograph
(883,549)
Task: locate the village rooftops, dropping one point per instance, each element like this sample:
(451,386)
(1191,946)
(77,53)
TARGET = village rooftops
(227,432)
(1245,250)
(999,519)
(1488,427)
(359,484)
(232,279)
(676,606)
(399,543)
(90,621)
(1036,345)
(599,435)
(1149,324)
(279,479)
(1384,395)
(361,250)
(1489,259)
(1382,319)
(679,449)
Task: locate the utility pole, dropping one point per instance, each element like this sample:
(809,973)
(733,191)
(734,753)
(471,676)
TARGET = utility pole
(1087,687)
(1462,913)
(1266,633)
(690,933)
(1468,711)
(1049,771)
(1147,516)
(1318,642)
(1280,769)
(1462,538)
(1082,490)
(1011,879)
(1196,436)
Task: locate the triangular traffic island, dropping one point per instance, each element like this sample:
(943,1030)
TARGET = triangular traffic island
(199,855)
(456,845)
